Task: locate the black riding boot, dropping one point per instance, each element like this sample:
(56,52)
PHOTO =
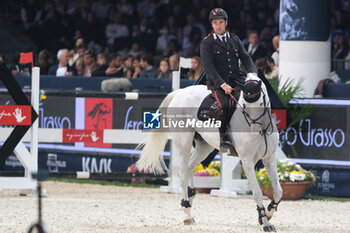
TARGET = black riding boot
(225,139)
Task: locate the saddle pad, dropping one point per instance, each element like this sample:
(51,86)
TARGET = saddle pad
(209,108)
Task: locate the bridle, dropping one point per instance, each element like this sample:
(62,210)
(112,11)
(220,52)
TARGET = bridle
(251,121)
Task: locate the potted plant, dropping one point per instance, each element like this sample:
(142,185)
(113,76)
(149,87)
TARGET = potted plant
(293,178)
(207,178)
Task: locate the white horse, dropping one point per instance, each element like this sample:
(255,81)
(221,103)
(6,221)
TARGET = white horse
(254,136)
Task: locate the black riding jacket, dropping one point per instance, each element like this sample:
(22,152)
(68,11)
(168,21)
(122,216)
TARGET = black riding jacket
(220,60)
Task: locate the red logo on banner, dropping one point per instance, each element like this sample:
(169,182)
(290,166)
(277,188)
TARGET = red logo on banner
(98,116)
(15,115)
(280,117)
(82,135)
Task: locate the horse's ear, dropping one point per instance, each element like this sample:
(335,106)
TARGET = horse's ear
(259,84)
(241,86)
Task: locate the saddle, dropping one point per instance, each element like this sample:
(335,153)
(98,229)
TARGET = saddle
(209,108)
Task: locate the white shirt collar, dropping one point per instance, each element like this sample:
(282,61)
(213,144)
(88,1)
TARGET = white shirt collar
(220,36)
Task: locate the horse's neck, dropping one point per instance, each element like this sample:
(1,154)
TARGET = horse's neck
(240,122)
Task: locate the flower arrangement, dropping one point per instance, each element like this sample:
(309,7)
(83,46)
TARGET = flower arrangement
(134,169)
(212,170)
(287,171)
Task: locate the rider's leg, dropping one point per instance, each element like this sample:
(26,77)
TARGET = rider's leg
(223,101)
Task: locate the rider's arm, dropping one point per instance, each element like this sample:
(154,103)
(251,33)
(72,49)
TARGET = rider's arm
(245,58)
(208,63)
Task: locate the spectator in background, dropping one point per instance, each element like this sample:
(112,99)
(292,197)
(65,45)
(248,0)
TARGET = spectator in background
(272,68)
(136,35)
(92,30)
(101,59)
(174,30)
(146,8)
(191,25)
(276,45)
(128,70)
(147,36)
(347,58)
(136,65)
(117,32)
(30,14)
(135,50)
(262,65)
(172,48)
(174,62)
(62,68)
(255,50)
(196,68)
(339,47)
(74,54)
(147,66)
(89,63)
(100,9)
(125,7)
(162,40)
(114,68)
(79,66)
(14,65)
(2,58)
(164,69)
(44,62)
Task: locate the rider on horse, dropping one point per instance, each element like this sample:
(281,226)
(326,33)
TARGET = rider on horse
(220,54)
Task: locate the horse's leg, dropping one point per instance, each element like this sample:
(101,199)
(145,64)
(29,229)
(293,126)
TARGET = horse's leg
(183,142)
(201,151)
(248,166)
(271,169)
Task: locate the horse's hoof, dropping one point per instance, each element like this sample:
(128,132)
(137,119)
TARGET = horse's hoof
(189,221)
(269,214)
(270,228)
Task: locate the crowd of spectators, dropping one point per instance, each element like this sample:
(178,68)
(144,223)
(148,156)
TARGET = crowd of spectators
(145,38)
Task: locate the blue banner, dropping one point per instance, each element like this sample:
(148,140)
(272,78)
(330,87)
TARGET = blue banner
(330,182)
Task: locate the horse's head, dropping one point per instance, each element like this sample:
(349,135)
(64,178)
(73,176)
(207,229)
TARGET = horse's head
(253,102)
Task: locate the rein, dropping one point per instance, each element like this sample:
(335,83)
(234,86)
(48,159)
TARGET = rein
(247,117)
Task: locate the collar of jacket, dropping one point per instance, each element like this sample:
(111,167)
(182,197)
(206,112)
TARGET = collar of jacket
(227,34)
(221,43)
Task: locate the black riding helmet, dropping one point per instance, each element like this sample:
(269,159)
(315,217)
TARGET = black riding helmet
(217,13)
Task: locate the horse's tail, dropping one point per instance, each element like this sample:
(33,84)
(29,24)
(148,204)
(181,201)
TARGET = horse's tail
(151,157)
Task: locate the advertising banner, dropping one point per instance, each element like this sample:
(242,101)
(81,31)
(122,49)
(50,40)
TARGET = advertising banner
(321,136)
(98,116)
(130,112)
(82,135)
(57,112)
(15,115)
(54,111)
(56,162)
(331,182)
